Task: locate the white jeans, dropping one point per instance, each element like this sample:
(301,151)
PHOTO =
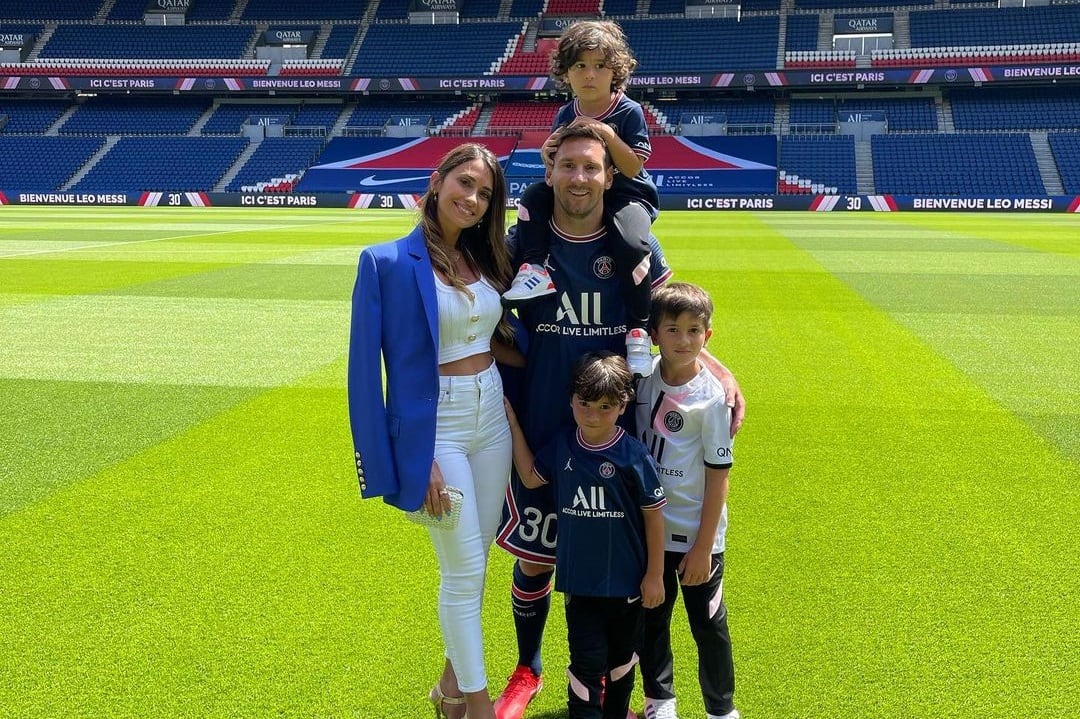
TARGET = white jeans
(472,449)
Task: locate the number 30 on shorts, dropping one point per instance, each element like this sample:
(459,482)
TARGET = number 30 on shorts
(537,525)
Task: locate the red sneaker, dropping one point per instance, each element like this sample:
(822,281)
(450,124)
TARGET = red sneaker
(522,686)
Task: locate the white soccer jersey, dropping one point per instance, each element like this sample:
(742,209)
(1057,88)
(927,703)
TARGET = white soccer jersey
(685,428)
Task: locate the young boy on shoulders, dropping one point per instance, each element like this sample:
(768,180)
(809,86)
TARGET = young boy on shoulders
(683,419)
(595,61)
(609,555)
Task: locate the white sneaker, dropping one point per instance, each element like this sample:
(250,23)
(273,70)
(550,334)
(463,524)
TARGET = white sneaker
(733,714)
(639,352)
(530,282)
(660,709)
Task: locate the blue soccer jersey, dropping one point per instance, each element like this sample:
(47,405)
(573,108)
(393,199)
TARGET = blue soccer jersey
(600,492)
(586,313)
(627,119)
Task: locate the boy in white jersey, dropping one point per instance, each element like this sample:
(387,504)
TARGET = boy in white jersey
(685,423)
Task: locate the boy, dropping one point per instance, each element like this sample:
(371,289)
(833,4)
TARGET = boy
(594,60)
(684,421)
(609,555)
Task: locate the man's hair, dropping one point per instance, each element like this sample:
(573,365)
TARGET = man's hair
(602,375)
(604,36)
(570,132)
(676,298)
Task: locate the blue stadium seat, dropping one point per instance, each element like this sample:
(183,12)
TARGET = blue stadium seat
(991,108)
(43,164)
(275,158)
(123,115)
(468,48)
(30,117)
(823,159)
(1065,147)
(956,164)
(149,42)
(723,43)
(176,164)
(995,26)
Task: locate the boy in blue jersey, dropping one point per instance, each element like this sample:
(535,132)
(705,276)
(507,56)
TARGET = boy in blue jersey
(610,552)
(594,60)
(683,419)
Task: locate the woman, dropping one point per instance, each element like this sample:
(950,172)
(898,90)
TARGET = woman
(427,307)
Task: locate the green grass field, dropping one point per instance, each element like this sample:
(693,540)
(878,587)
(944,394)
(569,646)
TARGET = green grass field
(181,534)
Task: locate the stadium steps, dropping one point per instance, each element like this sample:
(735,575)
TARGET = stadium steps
(504,9)
(825,31)
(482,122)
(864,167)
(233,171)
(781,34)
(94,159)
(320,41)
(342,120)
(54,129)
(103,12)
(42,41)
(945,113)
(782,116)
(1044,156)
(238,11)
(260,30)
(196,129)
(532,29)
(901,30)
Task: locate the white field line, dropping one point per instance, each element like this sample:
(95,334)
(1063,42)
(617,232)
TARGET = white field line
(99,245)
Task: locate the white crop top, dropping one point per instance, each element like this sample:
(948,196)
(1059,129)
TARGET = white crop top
(466,326)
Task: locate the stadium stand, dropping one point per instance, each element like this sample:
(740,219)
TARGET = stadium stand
(944,139)
(960,164)
(307,10)
(989,108)
(392,49)
(43,164)
(30,117)
(661,45)
(824,160)
(148,42)
(124,115)
(1066,149)
(177,164)
(277,157)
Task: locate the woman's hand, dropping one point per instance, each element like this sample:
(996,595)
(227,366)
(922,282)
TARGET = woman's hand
(437,501)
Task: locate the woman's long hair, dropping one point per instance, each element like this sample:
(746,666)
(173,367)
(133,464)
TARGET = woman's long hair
(484,245)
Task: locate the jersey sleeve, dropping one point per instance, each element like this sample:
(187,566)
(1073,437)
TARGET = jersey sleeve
(544,460)
(651,493)
(635,132)
(716,433)
(659,271)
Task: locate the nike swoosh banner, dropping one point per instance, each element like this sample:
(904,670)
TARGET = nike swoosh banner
(387,164)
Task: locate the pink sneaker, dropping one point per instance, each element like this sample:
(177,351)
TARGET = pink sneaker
(531,281)
(522,686)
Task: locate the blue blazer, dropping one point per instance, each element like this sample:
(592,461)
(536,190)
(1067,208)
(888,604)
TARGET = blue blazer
(395,323)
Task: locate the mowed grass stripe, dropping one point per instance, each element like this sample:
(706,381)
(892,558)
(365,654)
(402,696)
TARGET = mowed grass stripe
(172,340)
(57,433)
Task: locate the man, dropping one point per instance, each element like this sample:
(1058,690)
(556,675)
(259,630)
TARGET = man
(586,313)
